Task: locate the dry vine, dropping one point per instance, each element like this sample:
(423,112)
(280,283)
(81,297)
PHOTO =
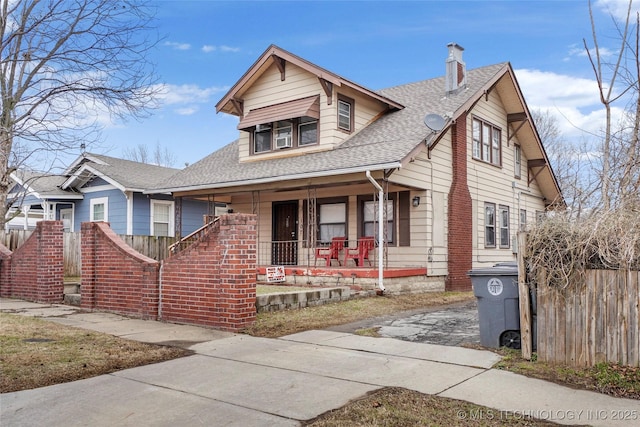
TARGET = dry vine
(563,247)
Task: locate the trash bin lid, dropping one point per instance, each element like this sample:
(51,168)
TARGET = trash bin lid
(506,264)
(494,271)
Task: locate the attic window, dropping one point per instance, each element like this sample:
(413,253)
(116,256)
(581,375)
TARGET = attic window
(345,113)
(307,131)
(284,134)
(262,139)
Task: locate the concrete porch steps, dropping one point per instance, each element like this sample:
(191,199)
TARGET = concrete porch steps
(72,293)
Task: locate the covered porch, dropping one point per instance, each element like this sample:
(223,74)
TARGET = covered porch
(300,221)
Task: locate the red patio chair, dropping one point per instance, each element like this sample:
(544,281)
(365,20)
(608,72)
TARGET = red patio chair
(361,252)
(331,252)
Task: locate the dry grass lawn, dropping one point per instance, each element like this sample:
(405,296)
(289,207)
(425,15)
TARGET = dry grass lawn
(399,407)
(37,353)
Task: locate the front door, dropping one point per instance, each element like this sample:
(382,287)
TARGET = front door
(284,249)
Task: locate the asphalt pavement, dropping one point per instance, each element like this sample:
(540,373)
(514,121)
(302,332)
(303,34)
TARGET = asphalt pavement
(239,380)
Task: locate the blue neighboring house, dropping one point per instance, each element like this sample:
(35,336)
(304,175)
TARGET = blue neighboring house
(102,188)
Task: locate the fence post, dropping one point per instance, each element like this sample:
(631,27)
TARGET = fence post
(524,298)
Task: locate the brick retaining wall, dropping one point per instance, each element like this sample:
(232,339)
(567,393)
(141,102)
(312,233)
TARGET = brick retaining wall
(35,271)
(115,277)
(213,282)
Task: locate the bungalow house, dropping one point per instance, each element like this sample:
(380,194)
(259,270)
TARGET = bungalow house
(102,188)
(440,174)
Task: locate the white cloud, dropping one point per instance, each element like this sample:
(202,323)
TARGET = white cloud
(618,8)
(186,111)
(574,101)
(188,94)
(580,51)
(178,46)
(222,48)
(229,49)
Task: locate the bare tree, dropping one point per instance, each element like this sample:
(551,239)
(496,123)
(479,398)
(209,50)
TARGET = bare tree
(607,76)
(160,156)
(66,68)
(571,162)
(630,166)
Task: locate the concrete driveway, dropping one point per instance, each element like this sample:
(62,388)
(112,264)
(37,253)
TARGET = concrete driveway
(453,325)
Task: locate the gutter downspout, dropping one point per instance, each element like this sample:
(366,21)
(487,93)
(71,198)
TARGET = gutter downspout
(380,229)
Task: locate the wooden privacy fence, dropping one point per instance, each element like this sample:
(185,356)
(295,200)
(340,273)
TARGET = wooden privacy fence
(151,246)
(596,321)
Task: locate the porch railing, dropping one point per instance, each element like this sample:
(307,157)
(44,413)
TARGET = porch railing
(296,252)
(192,238)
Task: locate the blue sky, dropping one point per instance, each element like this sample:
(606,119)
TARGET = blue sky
(208,45)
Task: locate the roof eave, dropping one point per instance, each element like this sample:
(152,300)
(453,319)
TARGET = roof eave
(320,72)
(307,175)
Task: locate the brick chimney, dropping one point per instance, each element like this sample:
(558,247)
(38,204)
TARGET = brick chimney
(456,77)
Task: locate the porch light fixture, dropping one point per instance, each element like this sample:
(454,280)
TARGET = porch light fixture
(416,201)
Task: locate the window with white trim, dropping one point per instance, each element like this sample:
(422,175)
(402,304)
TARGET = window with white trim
(487,142)
(345,113)
(283,134)
(503,215)
(489,225)
(370,220)
(99,209)
(332,221)
(161,218)
(517,165)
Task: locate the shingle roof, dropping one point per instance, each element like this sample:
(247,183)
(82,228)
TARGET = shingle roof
(387,141)
(46,186)
(131,175)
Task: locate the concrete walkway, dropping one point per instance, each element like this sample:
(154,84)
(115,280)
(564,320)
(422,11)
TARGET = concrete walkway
(247,381)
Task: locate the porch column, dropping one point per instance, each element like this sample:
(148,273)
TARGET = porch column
(178,218)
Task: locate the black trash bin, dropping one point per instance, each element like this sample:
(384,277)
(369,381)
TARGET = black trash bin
(496,291)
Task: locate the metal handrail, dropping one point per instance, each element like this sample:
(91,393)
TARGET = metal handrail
(187,241)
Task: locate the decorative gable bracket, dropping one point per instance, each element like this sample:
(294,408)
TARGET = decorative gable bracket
(328,89)
(238,106)
(281,64)
(516,117)
(536,163)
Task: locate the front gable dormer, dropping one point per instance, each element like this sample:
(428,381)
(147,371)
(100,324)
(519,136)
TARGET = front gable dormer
(288,106)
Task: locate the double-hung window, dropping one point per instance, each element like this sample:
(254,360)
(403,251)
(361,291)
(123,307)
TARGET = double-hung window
(490,225)
(262,139)
(332,221)
(370,220)
(523,220)
(517,161)
(307,131)
(99,209)
(487,142)
(345,113)
(504,226)
(161,218)
(283,134)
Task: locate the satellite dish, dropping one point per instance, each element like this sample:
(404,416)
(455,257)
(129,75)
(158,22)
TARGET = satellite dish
(434,122)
